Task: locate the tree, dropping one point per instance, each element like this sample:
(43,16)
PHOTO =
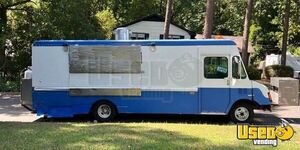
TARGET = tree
(73,20)
(126,11)
(285,31)
(107,21)
(48,19)
(246,32)
(228,15)
(209,19)
(168,18)
(189,15)
(4,7)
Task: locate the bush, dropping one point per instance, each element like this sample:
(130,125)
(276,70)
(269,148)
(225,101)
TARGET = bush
(253,73)
(9,86)
(279,71)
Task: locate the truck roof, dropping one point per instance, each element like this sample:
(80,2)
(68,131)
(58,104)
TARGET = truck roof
(134,42)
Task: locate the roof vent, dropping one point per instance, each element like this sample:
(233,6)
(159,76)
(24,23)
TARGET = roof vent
(122,34)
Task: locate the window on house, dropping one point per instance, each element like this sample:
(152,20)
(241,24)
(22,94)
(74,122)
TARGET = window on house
(172,36)
(139,36)
(215,67)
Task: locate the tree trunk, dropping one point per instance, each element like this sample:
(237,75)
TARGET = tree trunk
(3,26)
(285,32)
(168,18)
(210,4)
(3,29)
(246,32)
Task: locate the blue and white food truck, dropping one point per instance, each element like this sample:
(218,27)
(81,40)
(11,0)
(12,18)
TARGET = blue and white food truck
(110,77)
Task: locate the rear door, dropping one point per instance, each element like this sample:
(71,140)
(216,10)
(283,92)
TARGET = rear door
(214,92)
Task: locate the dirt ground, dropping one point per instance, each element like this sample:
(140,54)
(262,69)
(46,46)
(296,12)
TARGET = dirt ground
(11,110)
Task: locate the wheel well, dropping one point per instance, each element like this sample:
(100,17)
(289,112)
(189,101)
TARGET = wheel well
(245,101)
(103,101)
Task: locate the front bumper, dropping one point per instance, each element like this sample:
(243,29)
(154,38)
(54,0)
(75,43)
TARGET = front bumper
(266,107)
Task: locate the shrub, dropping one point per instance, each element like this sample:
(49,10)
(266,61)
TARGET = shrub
(279,71)
(253,73)
(9,86)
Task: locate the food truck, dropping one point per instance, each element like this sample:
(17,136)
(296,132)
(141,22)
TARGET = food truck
(110,77)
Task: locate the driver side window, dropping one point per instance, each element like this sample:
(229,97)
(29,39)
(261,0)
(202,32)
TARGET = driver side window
(215,67)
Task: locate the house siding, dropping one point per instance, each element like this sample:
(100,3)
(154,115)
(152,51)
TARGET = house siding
(156,28)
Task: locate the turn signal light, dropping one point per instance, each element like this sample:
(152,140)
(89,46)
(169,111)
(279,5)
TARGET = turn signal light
(270,97)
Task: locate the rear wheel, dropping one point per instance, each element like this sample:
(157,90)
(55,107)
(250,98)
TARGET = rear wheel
(104,111)
(242,113)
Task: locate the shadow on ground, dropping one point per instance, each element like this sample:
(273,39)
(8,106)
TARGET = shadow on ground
(127,118)
(259,119)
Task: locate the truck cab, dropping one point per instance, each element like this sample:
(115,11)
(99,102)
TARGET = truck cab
(225,77)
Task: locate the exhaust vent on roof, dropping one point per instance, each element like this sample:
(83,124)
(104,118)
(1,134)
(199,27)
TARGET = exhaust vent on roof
(122,34)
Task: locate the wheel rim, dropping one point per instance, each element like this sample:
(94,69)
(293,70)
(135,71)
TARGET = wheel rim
(241,113)
(104,111)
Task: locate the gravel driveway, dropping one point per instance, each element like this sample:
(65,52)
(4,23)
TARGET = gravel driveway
(11,110)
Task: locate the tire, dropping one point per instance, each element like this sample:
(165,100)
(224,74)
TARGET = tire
(242,113)
(104,111)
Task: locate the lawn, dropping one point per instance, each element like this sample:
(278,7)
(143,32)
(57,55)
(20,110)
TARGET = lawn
(126,136)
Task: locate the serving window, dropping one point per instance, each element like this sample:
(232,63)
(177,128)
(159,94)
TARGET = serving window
(105,59)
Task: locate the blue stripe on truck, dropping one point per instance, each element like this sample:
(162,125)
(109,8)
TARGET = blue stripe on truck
(61,104)
(131,42)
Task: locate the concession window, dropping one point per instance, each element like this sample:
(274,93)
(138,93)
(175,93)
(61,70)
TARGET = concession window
(105,59)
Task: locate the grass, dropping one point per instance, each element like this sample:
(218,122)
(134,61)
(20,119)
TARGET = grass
(126,136)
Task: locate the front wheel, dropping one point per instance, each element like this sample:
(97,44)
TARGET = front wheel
(242,113)
(104,111)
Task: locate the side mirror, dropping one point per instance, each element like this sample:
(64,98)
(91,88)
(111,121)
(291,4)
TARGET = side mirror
(236,59)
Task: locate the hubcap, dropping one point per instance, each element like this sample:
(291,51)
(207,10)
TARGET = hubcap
(241,113)
(104,111)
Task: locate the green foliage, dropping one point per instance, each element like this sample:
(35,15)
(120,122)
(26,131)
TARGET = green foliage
(126,11)
(47,19)
(189,15)
(95,19)
(266,29)
(9,86)
(265,19)
(229,17)
(258,55)
(294,50)
(253,73)
(70,20)
(279,71)
(107,21)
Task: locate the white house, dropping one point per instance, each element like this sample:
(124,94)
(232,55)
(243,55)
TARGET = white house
(152,27)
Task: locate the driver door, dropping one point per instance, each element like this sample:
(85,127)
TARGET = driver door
(215,85)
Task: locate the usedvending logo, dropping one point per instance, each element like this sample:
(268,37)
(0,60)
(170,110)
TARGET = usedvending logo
(265,135)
